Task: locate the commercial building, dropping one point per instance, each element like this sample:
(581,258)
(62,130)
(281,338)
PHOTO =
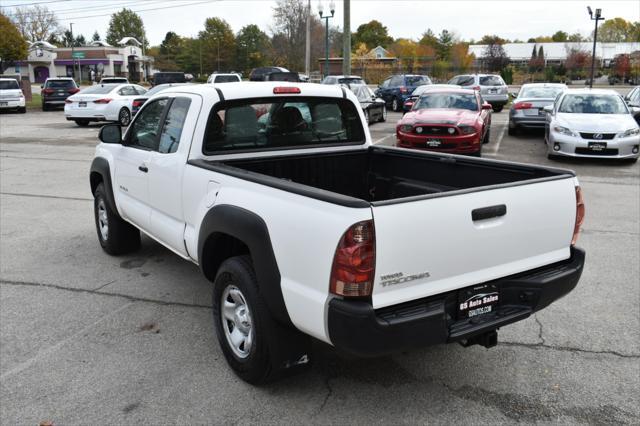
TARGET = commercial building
(45,60)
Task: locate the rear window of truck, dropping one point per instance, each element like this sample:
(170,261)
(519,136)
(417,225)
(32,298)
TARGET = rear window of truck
(280,123)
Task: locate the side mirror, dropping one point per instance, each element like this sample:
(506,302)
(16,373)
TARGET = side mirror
(486,105)
(548,109)
(42,86)
(110,133)
(635,110)
(514,94)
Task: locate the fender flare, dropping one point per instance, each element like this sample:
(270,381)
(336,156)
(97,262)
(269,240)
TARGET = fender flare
(251,229)
(101,166)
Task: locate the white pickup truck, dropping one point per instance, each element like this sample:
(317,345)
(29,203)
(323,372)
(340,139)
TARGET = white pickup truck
(307,230)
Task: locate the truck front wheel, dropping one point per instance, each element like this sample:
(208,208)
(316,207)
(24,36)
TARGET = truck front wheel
(248,335)
(115,235)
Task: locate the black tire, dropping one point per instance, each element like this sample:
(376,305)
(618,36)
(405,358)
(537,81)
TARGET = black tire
(121,237)
(124,117)
(45,107)
(22,110)
(82,123)
(512,131)
(259,364)
(395,105)
(553,157)
(383,116)
(497,108)
(487,136)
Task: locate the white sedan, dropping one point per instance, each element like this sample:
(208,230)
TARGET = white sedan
(591,123)
(104,102)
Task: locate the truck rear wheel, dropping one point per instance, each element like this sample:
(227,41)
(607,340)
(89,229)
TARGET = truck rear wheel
(115,235)
(247,333)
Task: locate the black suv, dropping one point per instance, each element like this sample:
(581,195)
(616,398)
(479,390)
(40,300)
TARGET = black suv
(261,73)
(56,90)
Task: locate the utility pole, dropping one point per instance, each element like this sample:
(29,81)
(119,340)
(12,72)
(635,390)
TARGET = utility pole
(332,8)
(73,57)
(346,39)
(307,52)
(596,18)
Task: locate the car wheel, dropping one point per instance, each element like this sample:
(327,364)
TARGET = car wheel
(553,157)
(487,136)
(22,110)
(497,108)
(366,116)
(124,117)
(45,107)
(512,130)
(383,117)
(82,123)
(248,335)
(115,235)
(395,105)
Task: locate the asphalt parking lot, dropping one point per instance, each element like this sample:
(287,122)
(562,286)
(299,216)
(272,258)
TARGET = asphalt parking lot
(93,339)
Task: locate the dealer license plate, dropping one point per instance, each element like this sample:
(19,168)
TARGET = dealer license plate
(477,300)
(82,104)
(434,143)
(597,146)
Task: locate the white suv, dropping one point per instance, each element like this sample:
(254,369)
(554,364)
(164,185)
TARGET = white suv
(11,96)
(492,88)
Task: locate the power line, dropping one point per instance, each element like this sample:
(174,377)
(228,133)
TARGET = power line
(31,4)
(92,8)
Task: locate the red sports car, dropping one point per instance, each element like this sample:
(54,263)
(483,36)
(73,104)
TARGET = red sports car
(446,120)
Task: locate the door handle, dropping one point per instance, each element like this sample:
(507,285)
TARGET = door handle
(488,212)
(143,168)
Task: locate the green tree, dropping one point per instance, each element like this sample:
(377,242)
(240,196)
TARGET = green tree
(617,30)
(13,46)
(443,46)
(575,38)
(372,34)
(494,39)
(252,48)
(126,23)
(95,36)
(218,45)
(429,39)
(560,36)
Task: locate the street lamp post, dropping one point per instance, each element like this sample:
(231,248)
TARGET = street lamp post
(332,9)
(596,18)
(73,56)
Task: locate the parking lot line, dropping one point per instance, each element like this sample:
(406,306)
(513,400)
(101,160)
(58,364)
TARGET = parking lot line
(496,147)
(379,141)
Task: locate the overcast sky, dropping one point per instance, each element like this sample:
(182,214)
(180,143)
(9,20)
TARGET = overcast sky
(512,19)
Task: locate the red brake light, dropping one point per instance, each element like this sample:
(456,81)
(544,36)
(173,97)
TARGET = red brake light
(522,105)
(353,269)
(403,89)
(579,215)
(73,90)
(47,91)
(476,88)
(102,101)
(138,102)
(285,90)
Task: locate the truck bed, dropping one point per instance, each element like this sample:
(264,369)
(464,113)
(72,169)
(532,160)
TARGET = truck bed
(380,176)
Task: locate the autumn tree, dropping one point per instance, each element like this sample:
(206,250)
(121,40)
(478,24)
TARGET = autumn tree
(252,48)
(405,50)
(461,59)
(13,46)
(372,34)
(577,62)
(494,56)
(126,23)
(35,23)
(622,65)
(618,30)
(218,45)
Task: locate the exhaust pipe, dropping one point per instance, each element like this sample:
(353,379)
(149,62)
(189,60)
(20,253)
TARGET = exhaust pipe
(488,340)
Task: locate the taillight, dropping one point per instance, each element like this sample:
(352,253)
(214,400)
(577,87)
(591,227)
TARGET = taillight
(403,89)
(354,262)
(73,90)
(102,101)
(137,103)
(579,215)
(47,91)
(285,90)
(522,105)
(476,88)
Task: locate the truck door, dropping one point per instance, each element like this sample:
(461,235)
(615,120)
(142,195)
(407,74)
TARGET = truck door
(132,165)
(166,170)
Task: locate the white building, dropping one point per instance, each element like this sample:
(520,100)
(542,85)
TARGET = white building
(556,53)
(45,60)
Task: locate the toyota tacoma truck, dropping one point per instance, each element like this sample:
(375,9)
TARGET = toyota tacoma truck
(309,231)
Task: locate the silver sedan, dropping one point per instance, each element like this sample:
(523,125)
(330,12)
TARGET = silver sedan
(527,110)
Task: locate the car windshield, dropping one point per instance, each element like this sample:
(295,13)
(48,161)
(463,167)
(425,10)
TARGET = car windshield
(540,92)
(60,84)
(445,100)
(491,80)
(417,80)
(592,104)
(8,85)
(301,122)
(351,80)
(226,79)
(463,80)
(362,92)
(99,90)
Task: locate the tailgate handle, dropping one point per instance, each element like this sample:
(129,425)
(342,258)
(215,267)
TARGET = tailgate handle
(488,212)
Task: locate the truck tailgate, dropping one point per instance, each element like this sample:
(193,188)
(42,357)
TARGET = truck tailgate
(430,246)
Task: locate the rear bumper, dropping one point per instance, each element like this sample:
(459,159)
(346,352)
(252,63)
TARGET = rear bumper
(13,103)
(356,328)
